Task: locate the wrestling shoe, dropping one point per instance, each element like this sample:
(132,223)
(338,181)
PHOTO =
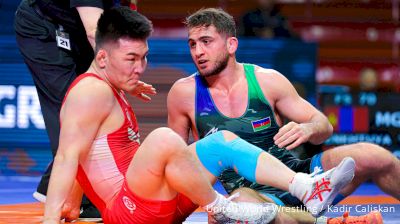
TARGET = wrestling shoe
(39,196)
(89,213)
(317,191)
(374,217)
(229,212)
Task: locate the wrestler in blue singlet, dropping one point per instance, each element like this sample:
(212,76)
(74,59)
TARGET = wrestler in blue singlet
(257,126)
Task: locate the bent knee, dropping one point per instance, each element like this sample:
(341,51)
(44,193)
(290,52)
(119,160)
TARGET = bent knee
(166,140)
(372,158)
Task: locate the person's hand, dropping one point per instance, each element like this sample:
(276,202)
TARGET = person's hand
(143,90)
(292,135)
(71,211)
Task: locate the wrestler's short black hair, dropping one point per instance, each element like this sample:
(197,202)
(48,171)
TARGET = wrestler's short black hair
(122,22)
(223,22)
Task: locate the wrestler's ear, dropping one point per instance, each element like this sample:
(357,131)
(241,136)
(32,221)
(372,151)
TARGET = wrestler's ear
(232,45)
(101,58)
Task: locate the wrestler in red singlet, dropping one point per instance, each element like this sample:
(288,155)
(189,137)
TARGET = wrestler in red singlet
(102,175)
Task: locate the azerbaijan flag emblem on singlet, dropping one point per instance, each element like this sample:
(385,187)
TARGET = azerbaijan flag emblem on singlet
(261,124)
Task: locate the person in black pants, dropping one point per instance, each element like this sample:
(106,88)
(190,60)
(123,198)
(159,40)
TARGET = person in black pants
(56,40)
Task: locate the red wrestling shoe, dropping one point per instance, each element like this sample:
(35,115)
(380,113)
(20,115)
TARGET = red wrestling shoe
(373,217)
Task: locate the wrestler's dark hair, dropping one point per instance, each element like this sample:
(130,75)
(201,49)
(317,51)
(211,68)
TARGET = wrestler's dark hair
(223,22)
(121,22)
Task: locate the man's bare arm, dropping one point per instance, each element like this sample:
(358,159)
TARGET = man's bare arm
(179,102)
(89,17)
(81,117)
(307,123)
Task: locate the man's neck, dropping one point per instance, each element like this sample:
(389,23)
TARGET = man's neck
(95,69)
(228,78)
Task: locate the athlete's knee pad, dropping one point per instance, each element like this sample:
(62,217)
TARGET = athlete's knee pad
(217,154)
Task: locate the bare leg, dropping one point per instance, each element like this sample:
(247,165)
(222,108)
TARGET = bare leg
(165,166)
(373,162)
(267,174)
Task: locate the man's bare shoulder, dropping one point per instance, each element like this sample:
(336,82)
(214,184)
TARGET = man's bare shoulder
(186,81)
(181,94)
(91,93)
(184,86)
(266,76)
(266,72)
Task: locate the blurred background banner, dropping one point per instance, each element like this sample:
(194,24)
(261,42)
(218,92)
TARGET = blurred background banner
(22,126)
(342,56)
(21,119)
(363,117)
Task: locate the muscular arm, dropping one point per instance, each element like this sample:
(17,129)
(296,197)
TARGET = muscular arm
(89,17)
(307,123)
(81,117)
(180,102)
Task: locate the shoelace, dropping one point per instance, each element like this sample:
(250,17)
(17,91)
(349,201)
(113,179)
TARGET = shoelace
(317,170)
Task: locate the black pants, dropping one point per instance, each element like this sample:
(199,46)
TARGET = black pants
(52,68)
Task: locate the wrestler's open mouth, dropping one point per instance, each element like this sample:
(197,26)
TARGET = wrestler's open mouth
(201,61)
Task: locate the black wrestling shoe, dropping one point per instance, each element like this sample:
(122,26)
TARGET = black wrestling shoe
(89,213)
(41,189)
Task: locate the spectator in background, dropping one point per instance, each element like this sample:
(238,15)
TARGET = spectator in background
(368,80)
(265,22)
